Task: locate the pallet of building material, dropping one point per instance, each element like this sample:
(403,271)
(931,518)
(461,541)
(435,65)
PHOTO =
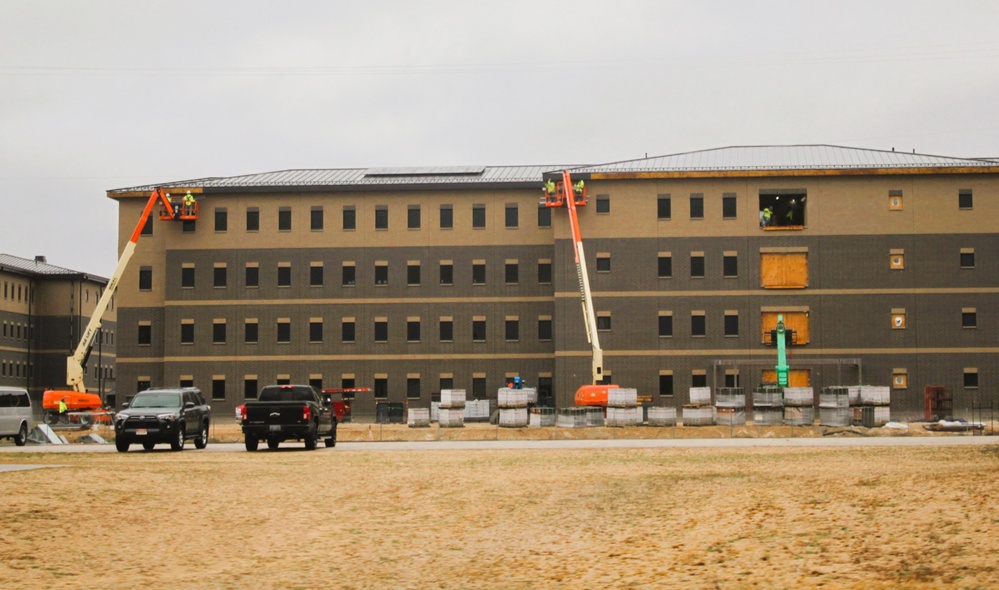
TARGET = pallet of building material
(451,418)
(799,396)
(419,417)
(622,417)
(513,417)
(730,416)
(699,396)
(478,410)
(768,416)
(620,397)
(768,397)
(507,397)
(799,415)
(697,415)
(571,418)
(595,417)
(835,416)
(730,397)
(875,395)
(532,395)
(662,416)
(452,398)
(541,417)
(834,397)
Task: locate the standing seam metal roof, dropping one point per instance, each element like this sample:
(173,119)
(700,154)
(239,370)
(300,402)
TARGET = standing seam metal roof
(37,268)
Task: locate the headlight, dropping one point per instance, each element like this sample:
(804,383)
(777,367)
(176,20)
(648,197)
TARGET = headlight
(167,417)
(120,417)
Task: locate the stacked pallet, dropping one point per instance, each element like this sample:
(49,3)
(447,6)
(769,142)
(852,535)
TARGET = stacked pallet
(452,408)
(541,417)
(662,416)
(419,417)
(699,411)
(512,407)
(834,406)
(730,406)
(799,406)
(768,405)
(623,408)
(870,405)
(571,418)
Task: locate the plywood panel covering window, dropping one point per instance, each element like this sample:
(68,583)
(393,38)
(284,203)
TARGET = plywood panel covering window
(784,270)
(793,320)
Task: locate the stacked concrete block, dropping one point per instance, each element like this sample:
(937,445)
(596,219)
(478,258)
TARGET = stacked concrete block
(452,408)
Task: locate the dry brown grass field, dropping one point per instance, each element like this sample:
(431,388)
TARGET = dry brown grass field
(912,517)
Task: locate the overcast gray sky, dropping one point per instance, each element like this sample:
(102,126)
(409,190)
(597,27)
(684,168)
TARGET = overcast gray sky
(105,94)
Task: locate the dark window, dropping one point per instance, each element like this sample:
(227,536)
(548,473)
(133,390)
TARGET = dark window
(284,276)
(967,260)
(315,331)
(347,383)
(252,219)
(512,330)
(478,274)
(965,199)
(347,331)
(478,216)
(478,331)
(731,325)
(447,217)
(381,331)
(316,382)
(187,333)
(544,330)
(189,226)
(413,274)
(447,331)
(187,277)
(381,274)
(381,387)
(603,203)
(220,276)
(665,267)
(698,325)
(413,387)
(545,273)
(728,206)
(252,276)
(381,217)
(218,389)
(221,220)
(603,263)
(145,336)
(316,221)
(478,387)
(349,218)
(969,319)
(664,208)
(730,266)
(146,278)
(697,206)
(250,388)
(447,274)
(665,326)
(699,380)
(316,276)
(697,266)
(666,385)
(147,227)
(782,208)
(218,333)
(971,379)
(603,323)
(284,332)
(349,276)
(413,331)
(186,383)
(446,383)
(512,217)
(544,216)
(251,333)
(284,219)
(413,217)
(512,273)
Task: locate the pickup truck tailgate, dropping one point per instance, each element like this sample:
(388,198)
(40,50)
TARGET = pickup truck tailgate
(275,413)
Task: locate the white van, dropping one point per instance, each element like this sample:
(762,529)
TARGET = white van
(15,414)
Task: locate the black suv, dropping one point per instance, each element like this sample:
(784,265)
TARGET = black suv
(163,416)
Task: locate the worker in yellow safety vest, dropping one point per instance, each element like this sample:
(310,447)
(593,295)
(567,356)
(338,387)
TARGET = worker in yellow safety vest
(579,187)
(550,187)
(189,203)
(62,406)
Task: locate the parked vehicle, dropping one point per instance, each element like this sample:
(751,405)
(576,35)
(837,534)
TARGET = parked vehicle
(159,416)
(15,414)
(288,412)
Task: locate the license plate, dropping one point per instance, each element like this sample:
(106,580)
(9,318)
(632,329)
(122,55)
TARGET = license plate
(141,432)
(275,427)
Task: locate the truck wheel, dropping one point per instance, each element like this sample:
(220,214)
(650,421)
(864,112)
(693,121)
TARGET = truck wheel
(51,418)
(251,444)
(272,444)
(148,446)
(202,440)
(178,443)
(121,443)
(310,441)
(22,435)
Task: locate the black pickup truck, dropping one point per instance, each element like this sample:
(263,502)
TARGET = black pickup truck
(288,412)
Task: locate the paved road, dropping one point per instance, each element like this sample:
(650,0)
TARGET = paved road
(686,443)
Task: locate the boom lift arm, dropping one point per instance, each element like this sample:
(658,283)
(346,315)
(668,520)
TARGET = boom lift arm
(782,366)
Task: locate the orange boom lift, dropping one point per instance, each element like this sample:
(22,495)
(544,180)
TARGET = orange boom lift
(569,196)
(83,407)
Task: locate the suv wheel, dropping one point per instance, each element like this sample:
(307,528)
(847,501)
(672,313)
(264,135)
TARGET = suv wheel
(178,442)
(121,443)
(202,440)
(22,435)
